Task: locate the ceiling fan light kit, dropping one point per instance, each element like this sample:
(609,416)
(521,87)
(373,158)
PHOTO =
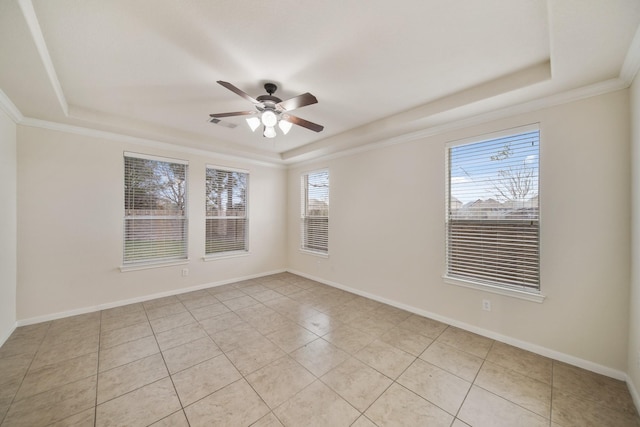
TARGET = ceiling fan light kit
(285,126)
(269,118)
(270,111)
(269,132)
(253,123)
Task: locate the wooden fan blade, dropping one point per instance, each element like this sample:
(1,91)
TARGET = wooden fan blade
(304,123)
(222,123)
(237,91)
(235,113)
(297,102)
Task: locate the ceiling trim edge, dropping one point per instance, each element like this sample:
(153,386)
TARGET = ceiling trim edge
(29,13)
(94,133)
(631,63)
(10,108)
(578,94)
(562,98)
(16,115)
(628,71)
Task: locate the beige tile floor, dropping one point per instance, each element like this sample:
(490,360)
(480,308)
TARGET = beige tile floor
(284,350)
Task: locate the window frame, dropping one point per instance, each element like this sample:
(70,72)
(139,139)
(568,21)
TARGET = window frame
(231,253)
(304,209)
(513,290)
(154,262)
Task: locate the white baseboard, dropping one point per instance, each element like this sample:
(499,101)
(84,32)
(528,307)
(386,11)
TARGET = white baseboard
(3,339)
(634,392)
(91,309)
(534,348)
(543,351)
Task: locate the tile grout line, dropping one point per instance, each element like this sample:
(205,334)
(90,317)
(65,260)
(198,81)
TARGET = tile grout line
(473,382)
(167,368)
(393,381)
(25,374)
(243,377)
(286,354)
(421,397)
(170,375)
(60,385)
(137,360)
(320,301)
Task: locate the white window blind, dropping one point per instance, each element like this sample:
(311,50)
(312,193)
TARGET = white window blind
(155,213)
(492,219)
(226,216)
(314,221)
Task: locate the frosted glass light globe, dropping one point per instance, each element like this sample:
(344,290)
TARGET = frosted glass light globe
(285,126)
(253,123)
(270,132)
(269,119)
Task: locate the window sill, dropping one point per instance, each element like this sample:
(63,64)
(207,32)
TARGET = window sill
(147,266)
(315,253)
(495,289)
(226,255)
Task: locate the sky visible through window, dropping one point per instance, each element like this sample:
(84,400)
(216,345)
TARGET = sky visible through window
(319,186)
(503,169)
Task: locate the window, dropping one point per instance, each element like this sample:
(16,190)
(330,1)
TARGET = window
(492,219)
(155,209)
(314,221)
(226,216)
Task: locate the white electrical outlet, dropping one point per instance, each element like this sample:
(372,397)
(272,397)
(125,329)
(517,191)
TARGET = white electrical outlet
(486,305)
(185,272)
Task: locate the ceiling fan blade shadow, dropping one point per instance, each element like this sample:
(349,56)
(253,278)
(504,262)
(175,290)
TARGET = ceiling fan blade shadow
(235,113)
(304,123)
(297,102)
(237,91)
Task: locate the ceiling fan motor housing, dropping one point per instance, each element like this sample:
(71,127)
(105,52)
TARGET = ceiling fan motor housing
(269,101)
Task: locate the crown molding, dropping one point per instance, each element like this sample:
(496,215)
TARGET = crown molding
(573,95)
(584,92)
(14,113)
(566,97)
(10,108)
(631,63)
(628,71)
(31,19)
(93,133)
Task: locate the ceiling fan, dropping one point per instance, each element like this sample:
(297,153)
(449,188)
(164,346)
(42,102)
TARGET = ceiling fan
(269,111)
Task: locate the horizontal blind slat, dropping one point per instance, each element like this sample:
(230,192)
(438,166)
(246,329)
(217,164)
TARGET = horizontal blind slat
(492,210)
(226,220)
(314,223)
(155,217)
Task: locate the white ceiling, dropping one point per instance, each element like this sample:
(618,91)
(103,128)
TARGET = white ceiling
(148,68)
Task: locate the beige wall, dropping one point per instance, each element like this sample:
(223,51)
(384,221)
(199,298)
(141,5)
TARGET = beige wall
(634,317)
(8,212)
(387,233)
(70,225)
